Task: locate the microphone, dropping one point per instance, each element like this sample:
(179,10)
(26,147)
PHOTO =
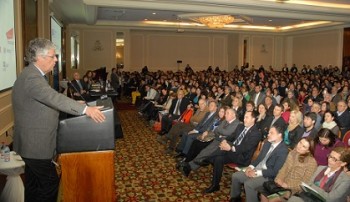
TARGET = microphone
(76,90)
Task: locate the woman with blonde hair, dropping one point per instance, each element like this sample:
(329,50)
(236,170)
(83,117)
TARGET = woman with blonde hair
(294,131)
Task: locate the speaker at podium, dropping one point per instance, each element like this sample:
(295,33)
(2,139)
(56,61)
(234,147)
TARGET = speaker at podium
(81,133)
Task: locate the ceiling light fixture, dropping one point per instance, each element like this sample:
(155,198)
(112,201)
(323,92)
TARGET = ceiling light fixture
(216,21)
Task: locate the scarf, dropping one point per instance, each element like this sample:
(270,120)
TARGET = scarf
(329,184)
(329,125)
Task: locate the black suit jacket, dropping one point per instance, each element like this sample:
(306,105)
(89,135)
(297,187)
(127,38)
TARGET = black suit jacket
(76,87)
(278,123)
(343,121)
(245,151)
(183,105)
(275,161)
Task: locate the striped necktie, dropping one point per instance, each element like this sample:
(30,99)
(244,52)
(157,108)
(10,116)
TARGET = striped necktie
(240,137)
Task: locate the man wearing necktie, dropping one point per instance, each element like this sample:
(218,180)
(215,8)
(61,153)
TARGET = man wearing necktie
(178,106)
(270,160)
(78,88)
(238,148)
(36,109)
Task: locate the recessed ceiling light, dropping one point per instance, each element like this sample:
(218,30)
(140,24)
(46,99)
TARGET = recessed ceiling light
(270,20)
(154,13)
(145,19)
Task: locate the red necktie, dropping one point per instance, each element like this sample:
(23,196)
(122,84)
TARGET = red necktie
(323,181)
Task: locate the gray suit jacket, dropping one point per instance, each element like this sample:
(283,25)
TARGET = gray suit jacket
(36,108)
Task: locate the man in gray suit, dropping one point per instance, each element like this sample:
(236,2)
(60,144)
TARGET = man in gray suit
(36,108)
(264,168)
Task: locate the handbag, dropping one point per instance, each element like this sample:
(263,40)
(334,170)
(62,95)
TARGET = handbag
(270,187)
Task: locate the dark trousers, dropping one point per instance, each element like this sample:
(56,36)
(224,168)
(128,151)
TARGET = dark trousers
(41,181)
(167,122)
(196,147)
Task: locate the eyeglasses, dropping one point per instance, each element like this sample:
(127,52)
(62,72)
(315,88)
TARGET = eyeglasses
(333,158)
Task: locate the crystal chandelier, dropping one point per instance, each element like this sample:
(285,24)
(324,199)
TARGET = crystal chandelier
(217,21)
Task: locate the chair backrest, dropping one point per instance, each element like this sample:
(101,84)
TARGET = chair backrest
(258,149)
(346,138)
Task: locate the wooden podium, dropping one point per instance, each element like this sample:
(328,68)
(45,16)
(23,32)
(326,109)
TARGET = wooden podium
(88,176)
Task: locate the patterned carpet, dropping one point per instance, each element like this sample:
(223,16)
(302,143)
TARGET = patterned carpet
(144,173)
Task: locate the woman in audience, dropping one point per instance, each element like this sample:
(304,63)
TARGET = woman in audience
(299,167)
(263,120)
(286,110)
(325,106)
(294,130)
(325,141)
(330,181)
(330,123)
(276,95)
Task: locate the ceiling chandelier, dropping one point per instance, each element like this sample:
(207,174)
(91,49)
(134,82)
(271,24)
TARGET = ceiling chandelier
(216,21)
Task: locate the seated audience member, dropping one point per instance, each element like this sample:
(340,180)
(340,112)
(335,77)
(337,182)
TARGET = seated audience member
(343,117)
(237,105)
(286,110)
(276,95)
(226,99)
(204,139)
(330,181)
(263,121)
(78,87)
(151,95)
(324,143)
(150,111)
(249,106)
(299,166)
(277,119)
(226,128)
(138,92)
(269,105)
(238,148)
(178,106)
(308,105)
(316,108)
(294,131)
(181,127)
(309,125)
(330,123)
(258,96)
(270,160)
(164,108)
(86,83)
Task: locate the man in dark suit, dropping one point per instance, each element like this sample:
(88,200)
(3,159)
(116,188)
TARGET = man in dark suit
(177,107)
(275,120)
(264,168)
(36,108)
(78,88)
(237,148)
(343,117)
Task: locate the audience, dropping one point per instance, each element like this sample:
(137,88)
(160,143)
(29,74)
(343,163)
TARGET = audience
(243,91)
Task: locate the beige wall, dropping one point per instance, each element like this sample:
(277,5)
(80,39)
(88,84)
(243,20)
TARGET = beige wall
(162,50)
(96,46)
(323,47)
